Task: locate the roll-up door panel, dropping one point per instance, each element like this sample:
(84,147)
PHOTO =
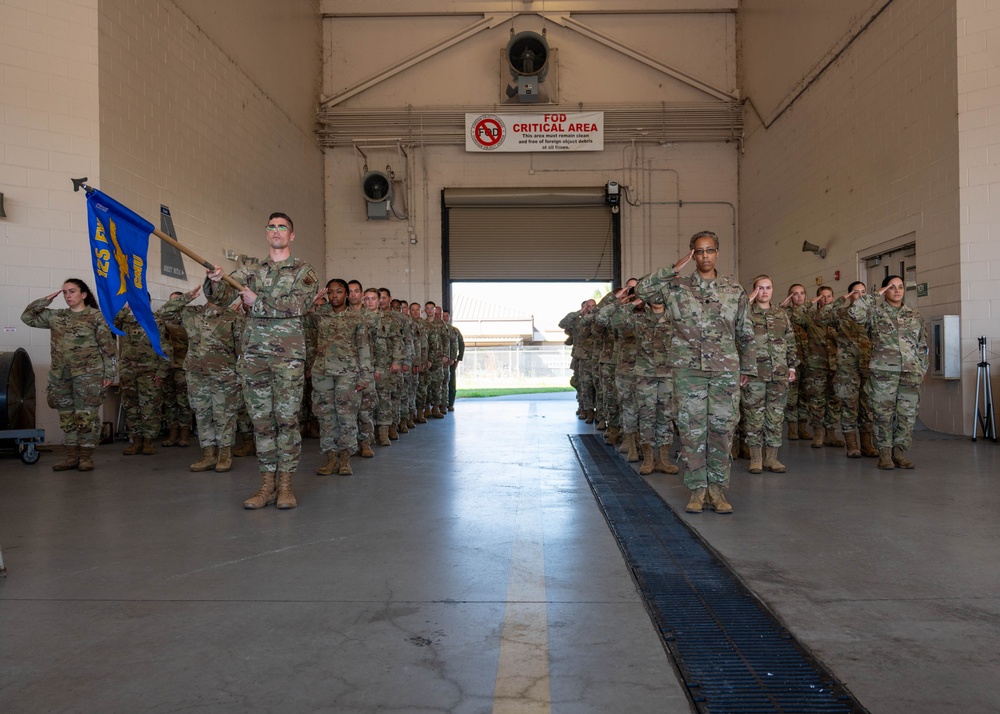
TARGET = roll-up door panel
(530,243)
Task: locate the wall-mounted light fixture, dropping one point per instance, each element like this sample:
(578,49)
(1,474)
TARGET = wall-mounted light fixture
(3,213)
(808,247)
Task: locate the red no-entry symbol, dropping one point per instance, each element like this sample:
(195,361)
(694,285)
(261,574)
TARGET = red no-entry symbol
(488,132)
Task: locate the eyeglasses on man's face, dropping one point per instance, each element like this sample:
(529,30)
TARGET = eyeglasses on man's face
(272,229)
(706,251)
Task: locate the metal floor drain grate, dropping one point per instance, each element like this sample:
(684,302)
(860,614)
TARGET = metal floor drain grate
(734,655)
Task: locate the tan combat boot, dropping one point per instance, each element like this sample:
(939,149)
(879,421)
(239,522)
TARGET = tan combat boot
(831,438)
(647,460)
(286,499)
(147,447)
(244,445)
(410,420)
(225,462)
(265,496)
(867,446)
(383,436)
(208,460)
(344,463)
(663,464)
(632,448)
(804,433)
(601,424)
(793,431)
(70,461)
(134,448)
(365,450)
(420,418)
(851,440)
(401,428)
(756,460)
(436,413)
(184,439)
(899,458)
(697,502)
(771,462)
(819,435)
(590,417)
(717,499)
(331,465)
(86,459)
(885,459)
(392,432)
(611,435)
(172,436)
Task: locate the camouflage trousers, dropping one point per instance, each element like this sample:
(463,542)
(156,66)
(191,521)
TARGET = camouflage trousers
(412,385)
(386,410)
(855,413)
(434,386)
(443,395)
(142,399)
(607,398)
(336,403)
(796,408)
(272,389)
(655,396)
(423,384)
(823,405)
(78,400)
(366,414)
(628,404)
(895,401)
(763,407)
(707,409)
(585,388)
(176,404)
(215,397)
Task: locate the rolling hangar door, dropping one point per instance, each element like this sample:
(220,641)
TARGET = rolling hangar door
(528,234)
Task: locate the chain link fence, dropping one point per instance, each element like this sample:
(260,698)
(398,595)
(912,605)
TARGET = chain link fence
(514,366)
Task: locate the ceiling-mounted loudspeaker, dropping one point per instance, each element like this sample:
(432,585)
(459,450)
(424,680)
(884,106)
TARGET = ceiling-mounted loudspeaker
(808,247)
(528,61)
(377,189)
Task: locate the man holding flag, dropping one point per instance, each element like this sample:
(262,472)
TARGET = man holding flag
(278,292)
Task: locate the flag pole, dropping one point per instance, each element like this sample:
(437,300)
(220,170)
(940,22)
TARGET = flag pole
(80,183)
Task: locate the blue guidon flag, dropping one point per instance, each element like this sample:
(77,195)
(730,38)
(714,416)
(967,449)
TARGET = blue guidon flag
(119,238)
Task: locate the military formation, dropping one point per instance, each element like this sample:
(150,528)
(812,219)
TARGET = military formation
(694,366)
(254,368)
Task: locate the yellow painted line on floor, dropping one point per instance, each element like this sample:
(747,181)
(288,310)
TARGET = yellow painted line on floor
(522,684)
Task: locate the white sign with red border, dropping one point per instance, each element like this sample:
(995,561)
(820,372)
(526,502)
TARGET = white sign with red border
(570,131)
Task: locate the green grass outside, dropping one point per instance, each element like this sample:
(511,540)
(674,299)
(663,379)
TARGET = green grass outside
(474,393)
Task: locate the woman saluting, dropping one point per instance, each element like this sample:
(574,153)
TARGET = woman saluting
(83,367)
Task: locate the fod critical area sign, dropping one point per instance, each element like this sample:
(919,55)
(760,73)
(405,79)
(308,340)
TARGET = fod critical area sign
(573,131)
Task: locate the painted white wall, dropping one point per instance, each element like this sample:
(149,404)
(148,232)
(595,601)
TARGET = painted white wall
(140,100)
(978,25)
(48,133)
(468,74)
(866,155)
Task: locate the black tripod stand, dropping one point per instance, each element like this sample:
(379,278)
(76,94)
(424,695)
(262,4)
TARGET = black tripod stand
(984,398)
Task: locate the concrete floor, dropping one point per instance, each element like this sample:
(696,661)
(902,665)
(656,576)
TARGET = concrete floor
(467,568)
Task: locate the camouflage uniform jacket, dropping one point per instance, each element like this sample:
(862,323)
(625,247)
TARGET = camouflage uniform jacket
(854,348)
(898,335)
(584,341)
(81,341)
(135,353)
(774,341)
(435,348)
(820,350)
(568,325)
(342,344)
(420,342)
(619,319)
(177,336)
(402,348)
(604,345)
(213,334)
(388,341)
(285,291)
(711,329)
(457,350)
(652,336)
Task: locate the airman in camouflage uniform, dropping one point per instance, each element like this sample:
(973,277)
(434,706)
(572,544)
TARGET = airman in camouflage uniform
(854,352)
(421,354)
(606,396)
(583,350)
(568,325)
(83,367)
(820,366)
(397,335)
(366,414)
(615,317)
(763,396)
(437,349)
(277,293)
(386,357)
(898,365)
(711,353)
(141,375)
(213,337)
(797,409)
(457,355)
(176,406)
(343,370)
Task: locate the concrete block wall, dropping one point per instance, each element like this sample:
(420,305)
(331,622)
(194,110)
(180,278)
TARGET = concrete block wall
(48,133)
(978,31)
(866,156)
